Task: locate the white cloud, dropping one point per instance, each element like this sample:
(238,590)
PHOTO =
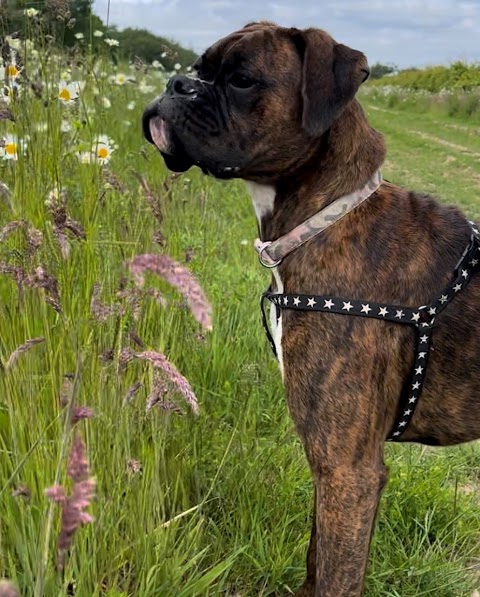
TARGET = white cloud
(403,32)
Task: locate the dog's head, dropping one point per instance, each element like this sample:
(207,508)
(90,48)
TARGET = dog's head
(264,96)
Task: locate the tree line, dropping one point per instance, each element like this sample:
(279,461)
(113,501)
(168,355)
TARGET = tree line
(71,19)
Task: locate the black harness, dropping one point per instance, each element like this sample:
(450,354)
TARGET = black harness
(421,318)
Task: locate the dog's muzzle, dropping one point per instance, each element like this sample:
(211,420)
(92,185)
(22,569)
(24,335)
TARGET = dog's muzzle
(179,88)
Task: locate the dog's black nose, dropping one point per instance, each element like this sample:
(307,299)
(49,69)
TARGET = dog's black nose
(181,86)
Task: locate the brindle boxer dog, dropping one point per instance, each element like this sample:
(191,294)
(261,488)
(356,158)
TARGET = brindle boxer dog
(275,106)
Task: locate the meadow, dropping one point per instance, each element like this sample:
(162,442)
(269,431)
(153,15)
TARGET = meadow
(170,502)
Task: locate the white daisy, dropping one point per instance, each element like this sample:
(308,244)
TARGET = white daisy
(120,79)
(11,147)
(145,88)
(68,92)
(177,66)
(79,35)
(106,102)
(112,42)
(14,42)
(12,70)
(103,148)
(131,106)
(31,12)
(97,33)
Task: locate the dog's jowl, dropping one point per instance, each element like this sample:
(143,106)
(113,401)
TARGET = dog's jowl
(276,107)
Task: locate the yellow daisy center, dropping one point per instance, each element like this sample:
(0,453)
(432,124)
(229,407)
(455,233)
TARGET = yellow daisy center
(11,148)
(12,70)
(102,152)
(65,95)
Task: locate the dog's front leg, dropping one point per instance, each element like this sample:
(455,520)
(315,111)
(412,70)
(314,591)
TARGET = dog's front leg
(308,587)
(347,498)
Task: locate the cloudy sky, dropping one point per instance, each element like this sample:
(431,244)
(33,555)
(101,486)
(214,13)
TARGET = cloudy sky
(402,32)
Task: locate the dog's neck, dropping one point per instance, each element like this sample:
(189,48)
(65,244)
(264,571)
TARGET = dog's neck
(341,162)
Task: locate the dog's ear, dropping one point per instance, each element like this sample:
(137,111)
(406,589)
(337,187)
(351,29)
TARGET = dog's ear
(331,76)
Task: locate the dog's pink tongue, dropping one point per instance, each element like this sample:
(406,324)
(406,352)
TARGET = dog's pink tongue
(157,130)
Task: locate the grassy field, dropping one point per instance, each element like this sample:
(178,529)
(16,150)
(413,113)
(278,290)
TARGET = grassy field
(215,504)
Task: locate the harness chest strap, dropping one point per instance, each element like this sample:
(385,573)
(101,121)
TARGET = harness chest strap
(421,318)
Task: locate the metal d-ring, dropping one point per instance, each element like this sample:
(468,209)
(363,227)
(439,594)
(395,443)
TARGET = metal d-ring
(261,259)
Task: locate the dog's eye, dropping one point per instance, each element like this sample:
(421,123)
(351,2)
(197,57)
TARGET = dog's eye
(241,81)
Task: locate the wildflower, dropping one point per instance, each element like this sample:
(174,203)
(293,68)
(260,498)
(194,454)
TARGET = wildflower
(31,12)
(189,69)
(79,413)
(112,42)
(131,392)
(156,64)
(8,589)
(106,102)
(120,79)
(74,505)
(85,157)
(10,92)
(12,70)
(13,42)
(177,66)
(65,126)
(180,278)
(20,491)
(12,359)
(68,92)
(134,467)
(131,106)
(145,88)
(163,54)
(11,147)
(79,35)
(97,33)
(160,361)
(104,146)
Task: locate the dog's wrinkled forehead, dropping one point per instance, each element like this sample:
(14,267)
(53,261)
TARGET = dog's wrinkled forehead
(257,43)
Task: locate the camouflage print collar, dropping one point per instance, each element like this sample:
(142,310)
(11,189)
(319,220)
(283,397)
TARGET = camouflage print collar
(271,253)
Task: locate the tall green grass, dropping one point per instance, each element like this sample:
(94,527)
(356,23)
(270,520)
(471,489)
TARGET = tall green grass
(186,506)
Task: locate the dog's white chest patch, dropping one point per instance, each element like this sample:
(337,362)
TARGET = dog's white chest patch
(263,197)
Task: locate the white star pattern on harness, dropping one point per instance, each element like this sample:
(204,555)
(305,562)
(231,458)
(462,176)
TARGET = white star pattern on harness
(416,386)
(458,287)
(432,311)
(421,355)
(419,371)
(396,433)
(464,273)
(413,399)
(399,314)
(407,412)
(474,262)
(423,339)
(383,311)
(285,300)
(296,301)
(402,424)
(311,302)
(329,304)
(416,317)
(347,306)
(366,309)
(444,298)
